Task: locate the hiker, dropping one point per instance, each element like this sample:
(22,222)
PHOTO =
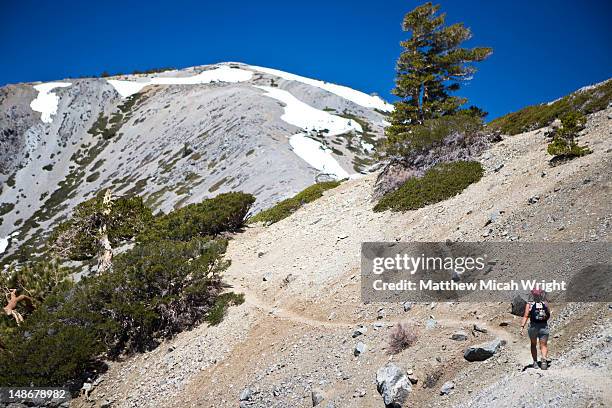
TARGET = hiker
(538,313)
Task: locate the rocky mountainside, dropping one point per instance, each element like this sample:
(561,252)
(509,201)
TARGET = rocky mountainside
(304,338)
(174,137)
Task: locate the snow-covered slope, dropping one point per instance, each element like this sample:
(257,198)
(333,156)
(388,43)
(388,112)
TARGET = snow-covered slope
(174,137)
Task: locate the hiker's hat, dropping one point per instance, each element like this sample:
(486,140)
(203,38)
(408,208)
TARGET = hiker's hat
(537,292)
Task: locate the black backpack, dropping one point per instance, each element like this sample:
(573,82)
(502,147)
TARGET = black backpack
(539,312)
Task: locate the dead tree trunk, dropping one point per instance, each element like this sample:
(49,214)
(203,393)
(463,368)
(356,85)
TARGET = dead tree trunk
(12,300)
(106,250)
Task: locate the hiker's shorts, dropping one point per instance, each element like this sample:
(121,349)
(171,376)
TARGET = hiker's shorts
(539,331)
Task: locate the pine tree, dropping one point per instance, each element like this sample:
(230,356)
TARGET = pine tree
(430,67)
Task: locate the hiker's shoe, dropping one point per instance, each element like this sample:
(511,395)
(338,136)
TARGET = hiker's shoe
(544,365)
(535,365)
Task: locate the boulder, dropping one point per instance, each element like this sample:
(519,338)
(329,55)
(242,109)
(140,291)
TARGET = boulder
(481,352)
(518,305)
(393,385)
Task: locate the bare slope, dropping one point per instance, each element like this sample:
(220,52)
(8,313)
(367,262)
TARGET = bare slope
(301,280)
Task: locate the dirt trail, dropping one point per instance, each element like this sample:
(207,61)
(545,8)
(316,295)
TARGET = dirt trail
(301,283)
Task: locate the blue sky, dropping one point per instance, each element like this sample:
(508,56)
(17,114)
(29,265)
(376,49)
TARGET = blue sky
(542,49)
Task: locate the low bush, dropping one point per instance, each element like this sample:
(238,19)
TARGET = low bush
(223,301)
(287,207)
(401,337)
(564,145)
(439,183)
(223,213)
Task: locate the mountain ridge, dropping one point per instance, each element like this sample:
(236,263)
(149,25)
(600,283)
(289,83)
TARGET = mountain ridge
(175,137)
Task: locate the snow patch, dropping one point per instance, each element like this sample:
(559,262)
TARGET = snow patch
(358,97)
(46,102)
(304,116)
(4,242)
(315,154)
(223,73)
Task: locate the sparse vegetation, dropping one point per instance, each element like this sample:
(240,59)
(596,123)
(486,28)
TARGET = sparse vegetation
(287,207)
(536,116)
(6,208)
(401,337)
(439,183)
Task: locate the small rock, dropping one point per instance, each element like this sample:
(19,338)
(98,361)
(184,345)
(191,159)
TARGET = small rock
(317,397)
(459,336)
(246,394)
(431,323)
(498,167)
(408,306)
(504,323)
(447,388)
(360,348)
(360,331)
(533,199)
(413,379)
(289,278)
(480,329)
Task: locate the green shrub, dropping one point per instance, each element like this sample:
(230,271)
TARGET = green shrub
(53,346)
(287,207)
(6,208)
(157,289)
(564,144)
(562,148)
(432,132)
(437,184)
(152,292)
(77,238)
(225,212)
(536,116)
(223,301)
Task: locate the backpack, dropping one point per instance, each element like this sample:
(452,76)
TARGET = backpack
(539,312)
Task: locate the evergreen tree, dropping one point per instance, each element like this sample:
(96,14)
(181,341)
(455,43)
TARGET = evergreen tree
(430,67)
